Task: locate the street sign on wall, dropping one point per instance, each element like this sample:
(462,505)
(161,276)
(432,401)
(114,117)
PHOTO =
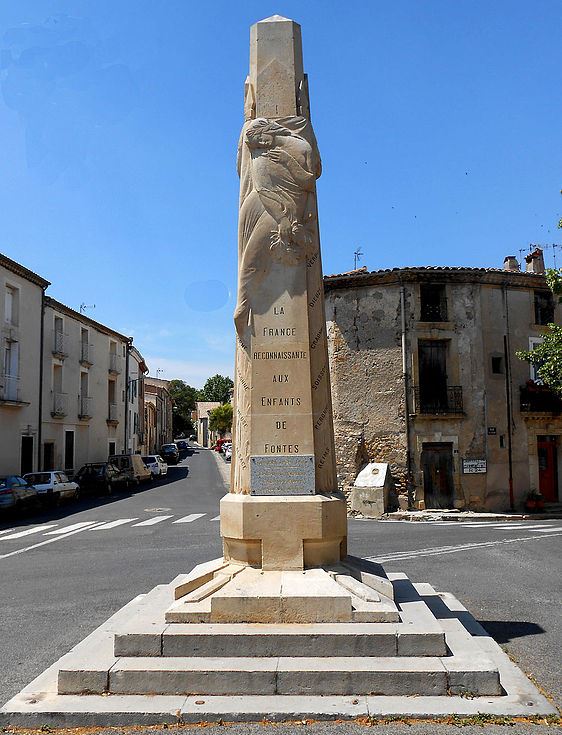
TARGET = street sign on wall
(473,466)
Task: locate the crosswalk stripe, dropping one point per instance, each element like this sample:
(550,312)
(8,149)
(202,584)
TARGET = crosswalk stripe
(66,529)
(216,518)
(6,530)
(546,529)
(530,528)
(190,518)
(113,524)
(28,532)
(152,521)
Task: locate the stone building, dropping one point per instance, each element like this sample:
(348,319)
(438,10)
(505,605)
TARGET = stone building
(84,382)
(136,430)
(425,378)
(160,415)
(205,437)
(21,294)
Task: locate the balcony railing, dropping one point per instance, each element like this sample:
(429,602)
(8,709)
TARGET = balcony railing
(539,399)
(10,388)
(113,413)
(60,404)
(59,344)
(86,354)
(114,363)
(434,311)
(431,401)
(85,407)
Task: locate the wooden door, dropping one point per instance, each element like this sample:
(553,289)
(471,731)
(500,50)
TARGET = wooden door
(437,469)
(548,467)
(26,455)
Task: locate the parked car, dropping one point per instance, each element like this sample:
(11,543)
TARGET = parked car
(133,467)
(220,443)
(228,452)
(53,486)
(96,477)
(156,465)
(16,492)
(170,453)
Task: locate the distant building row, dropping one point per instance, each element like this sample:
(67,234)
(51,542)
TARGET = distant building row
(71,389)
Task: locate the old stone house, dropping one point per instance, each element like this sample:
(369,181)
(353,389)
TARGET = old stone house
(425,377)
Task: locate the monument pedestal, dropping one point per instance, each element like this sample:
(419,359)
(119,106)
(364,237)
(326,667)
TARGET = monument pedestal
(277,532)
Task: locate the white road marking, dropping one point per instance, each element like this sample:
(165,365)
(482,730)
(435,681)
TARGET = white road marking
(6,530)
(547,529)
(530,528)
(438,551)
(216,518)
(113,524)
(190,518)
(43,543)
(28,532)
(83,524)
(152,521)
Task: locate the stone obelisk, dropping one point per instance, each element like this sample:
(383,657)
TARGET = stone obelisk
(281,512)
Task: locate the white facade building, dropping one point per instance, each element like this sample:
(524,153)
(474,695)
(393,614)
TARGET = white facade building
(21,294)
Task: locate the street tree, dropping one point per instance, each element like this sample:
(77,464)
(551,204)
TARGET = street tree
(220,418)
(547,356)
(218,388)
(184,397)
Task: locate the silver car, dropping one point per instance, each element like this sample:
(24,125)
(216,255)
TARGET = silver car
(16,492)
(156,465)
(53,485)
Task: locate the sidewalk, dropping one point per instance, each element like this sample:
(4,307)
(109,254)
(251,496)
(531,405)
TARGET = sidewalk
(467,515)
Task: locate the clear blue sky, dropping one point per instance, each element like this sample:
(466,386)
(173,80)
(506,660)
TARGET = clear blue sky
(439,125)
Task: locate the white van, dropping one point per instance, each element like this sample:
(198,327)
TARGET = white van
(132,466)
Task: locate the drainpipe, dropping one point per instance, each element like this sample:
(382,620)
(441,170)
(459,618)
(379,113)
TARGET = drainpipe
(40,412)
(406,397)
(508,397)
(125,441)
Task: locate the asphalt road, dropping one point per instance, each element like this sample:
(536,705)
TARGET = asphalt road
(62,581)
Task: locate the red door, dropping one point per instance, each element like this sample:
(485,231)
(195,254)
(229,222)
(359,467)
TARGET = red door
(548,474)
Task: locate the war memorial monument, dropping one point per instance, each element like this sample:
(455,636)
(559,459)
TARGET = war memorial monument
(286,625)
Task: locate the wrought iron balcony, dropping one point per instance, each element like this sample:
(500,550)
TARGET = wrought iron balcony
(86,354)
(431,401)
(434,311)
(113,413)
(539,399)
(60,405)
(59,344)
(10,388)
(85,408)
(114,363)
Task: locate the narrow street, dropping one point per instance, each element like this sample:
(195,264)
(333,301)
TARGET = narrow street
(66,571)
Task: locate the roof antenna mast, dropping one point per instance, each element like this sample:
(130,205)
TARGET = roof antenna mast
(357,255)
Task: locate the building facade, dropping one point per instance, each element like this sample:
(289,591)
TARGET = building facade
(136,369)
(425,377)
(84,384)
(21,296)
(156,393)
(205,437)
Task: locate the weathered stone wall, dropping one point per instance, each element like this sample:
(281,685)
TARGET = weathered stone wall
(367,385)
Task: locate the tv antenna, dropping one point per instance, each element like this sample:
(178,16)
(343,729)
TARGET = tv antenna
(158,371)
(84,306)
(357,255)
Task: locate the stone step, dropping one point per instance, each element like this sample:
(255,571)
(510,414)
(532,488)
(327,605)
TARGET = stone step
(287,676)
(317,640)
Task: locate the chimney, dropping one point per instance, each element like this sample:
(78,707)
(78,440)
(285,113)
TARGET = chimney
(510,263)
(535,262)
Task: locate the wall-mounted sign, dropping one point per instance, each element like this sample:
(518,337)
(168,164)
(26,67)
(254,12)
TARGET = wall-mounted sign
(473,466)
(492,431)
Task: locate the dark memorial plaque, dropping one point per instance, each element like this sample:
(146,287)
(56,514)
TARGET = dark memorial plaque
(282,475)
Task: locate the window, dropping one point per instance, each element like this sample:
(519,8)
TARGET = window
(497,365)
(533,342)
(544,307)
(433,302)
(111,448)
(11,305)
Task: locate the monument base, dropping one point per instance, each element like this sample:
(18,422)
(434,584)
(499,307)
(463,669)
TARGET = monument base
(435,660)
(283,532)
